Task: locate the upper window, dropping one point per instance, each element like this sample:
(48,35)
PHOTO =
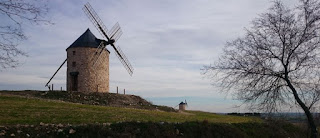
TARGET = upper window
(73,64)
(73,52)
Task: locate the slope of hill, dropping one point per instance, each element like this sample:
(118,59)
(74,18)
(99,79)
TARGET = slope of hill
(19,110)
(93,98)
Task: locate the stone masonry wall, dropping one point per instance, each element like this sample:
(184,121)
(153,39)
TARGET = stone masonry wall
(90,78)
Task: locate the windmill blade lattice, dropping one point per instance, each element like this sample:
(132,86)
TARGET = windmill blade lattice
(186,102)
(115,32)
(125,62)
(94,18)
(114,35)
(98,53)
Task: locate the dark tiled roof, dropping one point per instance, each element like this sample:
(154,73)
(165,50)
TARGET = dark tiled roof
(87,39)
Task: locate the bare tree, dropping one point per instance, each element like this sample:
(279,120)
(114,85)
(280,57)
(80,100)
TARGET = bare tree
(277,62)
(14,13)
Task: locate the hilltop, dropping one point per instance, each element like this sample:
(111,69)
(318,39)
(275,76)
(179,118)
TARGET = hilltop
(93,98)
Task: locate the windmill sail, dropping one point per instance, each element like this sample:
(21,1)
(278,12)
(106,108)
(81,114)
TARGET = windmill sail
(125,62)
(94,18)
(98,53)
(114,35)
(115,32)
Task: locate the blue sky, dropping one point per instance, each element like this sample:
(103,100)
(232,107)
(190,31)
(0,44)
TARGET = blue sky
(167,43)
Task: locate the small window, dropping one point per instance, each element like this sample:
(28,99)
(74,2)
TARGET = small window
(73,64)
(73,52)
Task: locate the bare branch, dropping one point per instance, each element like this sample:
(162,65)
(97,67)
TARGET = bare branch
(277,62)
(18,12)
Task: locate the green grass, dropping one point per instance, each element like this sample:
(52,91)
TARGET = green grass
(19,110)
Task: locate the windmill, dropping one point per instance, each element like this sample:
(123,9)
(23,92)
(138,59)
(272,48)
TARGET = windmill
(88,57)
(182,105)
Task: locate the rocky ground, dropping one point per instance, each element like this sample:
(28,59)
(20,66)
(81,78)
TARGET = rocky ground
(93,98)
(160,129)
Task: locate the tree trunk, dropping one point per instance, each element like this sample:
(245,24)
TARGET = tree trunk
(306,110)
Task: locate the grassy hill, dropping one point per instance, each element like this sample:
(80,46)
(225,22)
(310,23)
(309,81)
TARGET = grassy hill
(23,116)
(92,98)
(20,110)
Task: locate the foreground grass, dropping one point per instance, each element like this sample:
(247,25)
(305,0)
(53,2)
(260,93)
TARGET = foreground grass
(19,110)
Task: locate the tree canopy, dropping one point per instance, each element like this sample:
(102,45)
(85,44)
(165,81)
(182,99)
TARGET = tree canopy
(277,61)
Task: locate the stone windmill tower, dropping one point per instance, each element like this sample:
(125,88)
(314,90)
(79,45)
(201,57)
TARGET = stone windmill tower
(82,74)
(88,58)
(182,105)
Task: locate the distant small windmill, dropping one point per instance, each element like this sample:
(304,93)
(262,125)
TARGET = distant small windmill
(88,58)
(182,105)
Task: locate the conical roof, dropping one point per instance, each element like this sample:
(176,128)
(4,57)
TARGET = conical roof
(87,39)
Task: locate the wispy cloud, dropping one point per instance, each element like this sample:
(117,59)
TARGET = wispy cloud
(166,41)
